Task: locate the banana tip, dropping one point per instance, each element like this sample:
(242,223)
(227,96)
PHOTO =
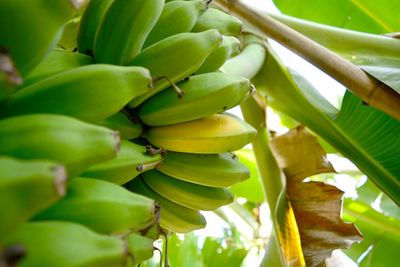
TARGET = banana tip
(60,181)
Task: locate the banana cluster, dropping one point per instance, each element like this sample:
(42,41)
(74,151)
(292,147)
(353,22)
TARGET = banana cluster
(103,148)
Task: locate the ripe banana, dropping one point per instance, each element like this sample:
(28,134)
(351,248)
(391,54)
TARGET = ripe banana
(127,128)
(66,244)
(188,49)
(205,94)
(217,133)
(250,60)
(124,29)
(31,28)
(91,93)
(229,47)
(131,160)
(176,17)
(215,170)
(56,62)
(187,194)
(173,217)
(90,21)
(27,187)
(216,19)
(63,139)
(102,206)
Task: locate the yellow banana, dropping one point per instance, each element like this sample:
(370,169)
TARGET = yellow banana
(217,133)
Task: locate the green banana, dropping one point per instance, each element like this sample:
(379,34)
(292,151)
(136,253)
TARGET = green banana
(229,47)
(216,19)
(66,244)
(120,121)
(173,217)
(131,160)
(91,93)
(187,194)
(250,60)
(215,170)
(68,40)
(188,49)
(176,17)
(124,29)
(31,28)
(27,187)
(140,248)
(214,134)
(102,206)
(56,62)
(205,94)
(89,24)
(71,142)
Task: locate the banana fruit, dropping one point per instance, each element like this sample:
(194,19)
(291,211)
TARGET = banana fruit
(229,47)
(124,29)
(217,133)
(131,160)
(215,19)
(205,94)
(194,196)
(91,93)
(31,28)
(103,207)
(126,126)
(66,244)
(71,142)
(27,187)
(173,217)
(89,24)
(189,49)
(214,170)
(56,61)
(176,17)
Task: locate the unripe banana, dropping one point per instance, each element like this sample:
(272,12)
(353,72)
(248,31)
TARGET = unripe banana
(90,21)
(140,248)
(215,19)
(127,128)
(131,160)
(214,134)
(68,141)
(124,30)
(215,170)
(27,187)
(66,244)
(176,17)
(229,47)
(102,206)
(173,217)
(205,94)
(190,50)
(31,28)
(91,93)
(187,194)
(250,60)
(56,62)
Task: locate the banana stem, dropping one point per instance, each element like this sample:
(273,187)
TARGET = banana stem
(254,113)
(372,91)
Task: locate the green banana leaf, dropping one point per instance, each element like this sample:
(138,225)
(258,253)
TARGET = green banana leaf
(362,15)
(366,136)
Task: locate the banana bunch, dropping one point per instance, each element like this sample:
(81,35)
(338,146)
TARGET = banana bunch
(104,147)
